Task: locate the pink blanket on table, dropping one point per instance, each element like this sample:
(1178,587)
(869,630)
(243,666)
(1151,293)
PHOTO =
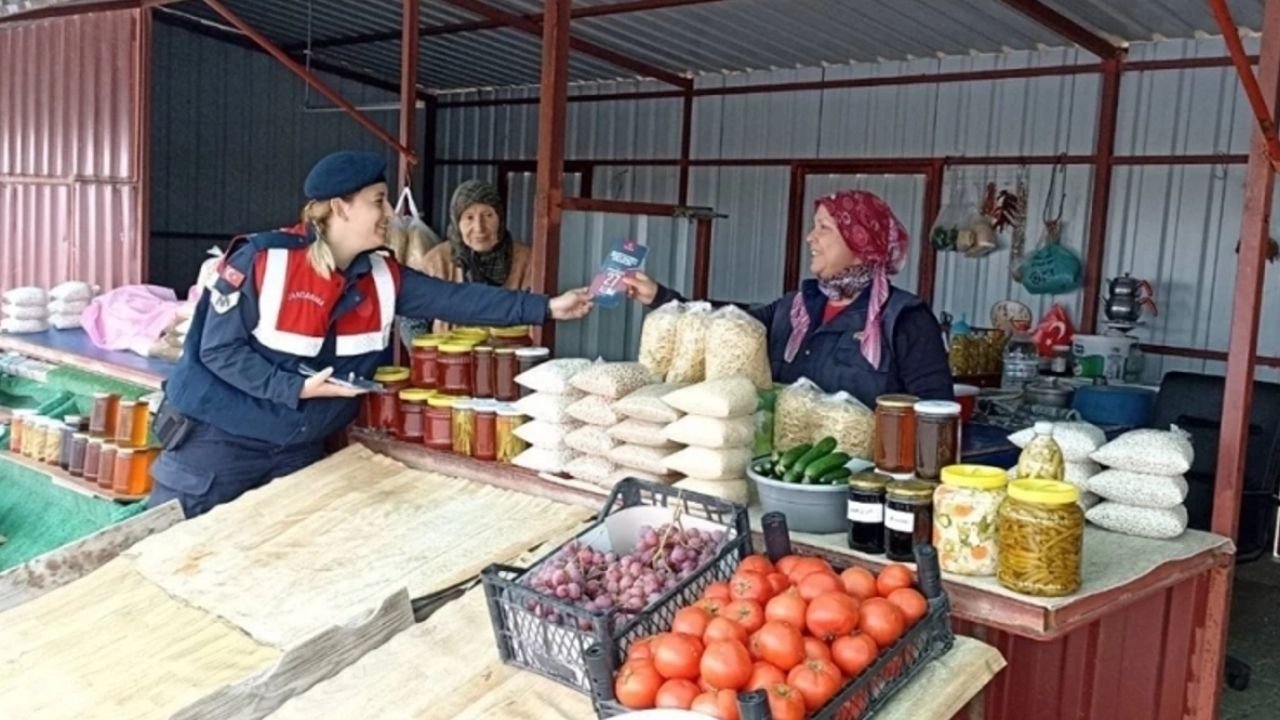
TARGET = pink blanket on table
(131,317)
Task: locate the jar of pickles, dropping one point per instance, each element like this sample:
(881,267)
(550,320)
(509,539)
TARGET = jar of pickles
(456,369)
(937,437)
(413,409)
(1040,537)
(908,518)
(464,426)
(438,432)
(895,443)
(866,512)
(485,442)
(505,369)
(482,375)
(509,444)
(384,404)
(964,518)
(424,362)
(529,358)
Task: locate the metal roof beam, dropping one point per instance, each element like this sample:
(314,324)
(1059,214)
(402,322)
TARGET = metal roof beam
(1065,27)
(586,47)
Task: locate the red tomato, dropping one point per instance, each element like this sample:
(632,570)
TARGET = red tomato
(806,565)
(785,702)
(816,680)
(763,675)
(911,603)
(893,577)
(831,615)
(747,613)
(726,665)
(882,620)
(637,685)
(785,565)
(676,655)
(641,649)
(818,583)
(719,704)
(722,628)
(747,585)
(712,605)
(854,653)
(676,693)
(777,582)
(756,563)
(778,644)
(788,607)
(815,648)
(859,582)
(691,621)
(717,590)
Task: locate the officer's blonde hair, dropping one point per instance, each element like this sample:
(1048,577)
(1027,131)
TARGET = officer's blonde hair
(316,214)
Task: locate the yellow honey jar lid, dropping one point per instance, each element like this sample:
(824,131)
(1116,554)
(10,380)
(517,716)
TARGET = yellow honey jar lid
(426,341)
(979,477)
(390,374)
(416,394)
(1044,492)
(441,401)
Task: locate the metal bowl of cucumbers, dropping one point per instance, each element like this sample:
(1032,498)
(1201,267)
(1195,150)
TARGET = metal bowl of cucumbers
(808,484)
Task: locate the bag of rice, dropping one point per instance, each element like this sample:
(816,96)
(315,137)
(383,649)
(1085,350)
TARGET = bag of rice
(795,414)
(646,459)
(733,490)
(613,380)
(723,398)
(64,322)
(547,406)
(26,296)
(72,291)
(552,376)
(1155,452)
(595,470)
(594,410)
(544,434)
(1088,500)
(738,344)
(67,307)
(709,464)
(544,459)
(16,326)
(1139,489)
(591,440)
(24,312)
(639,432)
(1078,440)
(1160,524)
(712,432)
(646,404)
(658,337)
(689,361)
(851,423)
(623,473)
(1075,473)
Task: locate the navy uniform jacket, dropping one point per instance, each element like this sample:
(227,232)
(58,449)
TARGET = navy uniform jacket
(228,379)
(913,356)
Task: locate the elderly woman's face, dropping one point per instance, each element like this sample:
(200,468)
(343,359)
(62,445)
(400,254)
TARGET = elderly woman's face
(480,227)
(828,253)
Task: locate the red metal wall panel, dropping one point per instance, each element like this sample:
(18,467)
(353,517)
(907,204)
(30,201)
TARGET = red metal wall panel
(70,150)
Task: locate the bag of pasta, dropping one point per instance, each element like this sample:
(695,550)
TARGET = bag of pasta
(738,344)
(795,414)
(689,359)
(658,337)
(850,422)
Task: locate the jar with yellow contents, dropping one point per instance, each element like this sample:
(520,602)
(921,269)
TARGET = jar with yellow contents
(464,426)
(1040,538)
(965,506)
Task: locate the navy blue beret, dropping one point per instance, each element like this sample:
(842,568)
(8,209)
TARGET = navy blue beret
(343,173)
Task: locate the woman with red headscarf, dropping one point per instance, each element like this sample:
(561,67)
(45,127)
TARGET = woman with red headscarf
(849,328)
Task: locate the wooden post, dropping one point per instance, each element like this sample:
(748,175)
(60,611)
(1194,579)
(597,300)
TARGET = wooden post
(702,258)
(408,86)
(552,105)
(1100,205)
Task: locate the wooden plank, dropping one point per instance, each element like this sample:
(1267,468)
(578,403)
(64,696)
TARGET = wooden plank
(75,560)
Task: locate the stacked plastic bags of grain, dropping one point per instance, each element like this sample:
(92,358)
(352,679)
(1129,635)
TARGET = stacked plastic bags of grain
(642,447)
(1078,440)
(547,410)
(1143,487)
(603,384)
(24,310)
(66,302)
(718,428)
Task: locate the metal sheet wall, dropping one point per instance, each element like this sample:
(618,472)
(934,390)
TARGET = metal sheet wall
(69,151)
(231,144)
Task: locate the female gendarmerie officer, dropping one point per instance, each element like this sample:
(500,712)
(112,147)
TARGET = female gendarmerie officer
(849,328)
(237,412)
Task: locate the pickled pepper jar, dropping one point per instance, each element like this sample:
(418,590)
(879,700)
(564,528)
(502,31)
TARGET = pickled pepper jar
(937,437)
(908,518)
(895,439)
(464,426)
(964,518)
(509,444)
(1040,538)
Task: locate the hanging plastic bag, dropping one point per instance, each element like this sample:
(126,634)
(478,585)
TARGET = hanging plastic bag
(982,226)
(419,237)
(397,228)
(946,227)
(1055,329)
(1053,269)
(1018,224)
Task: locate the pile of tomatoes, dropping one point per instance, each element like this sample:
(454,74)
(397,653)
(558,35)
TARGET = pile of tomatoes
(797,630)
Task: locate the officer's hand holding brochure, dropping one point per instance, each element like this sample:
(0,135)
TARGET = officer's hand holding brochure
(625,259)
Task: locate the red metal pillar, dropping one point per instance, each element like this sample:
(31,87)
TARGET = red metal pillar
(928,271)
(686,143)
(702,258)
(1255,91)
(1100,205)
(795,229)
(552,106)
(408,86)
(1241,359)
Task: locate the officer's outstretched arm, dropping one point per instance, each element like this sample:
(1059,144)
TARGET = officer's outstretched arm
(467,303)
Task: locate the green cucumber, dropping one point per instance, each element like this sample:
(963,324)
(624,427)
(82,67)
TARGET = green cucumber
(791,456)
(822,449)
(826,464)
(764,468)
(835,477)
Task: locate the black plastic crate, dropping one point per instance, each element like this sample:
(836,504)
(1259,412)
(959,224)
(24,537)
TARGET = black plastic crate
(927,640)
(528,640)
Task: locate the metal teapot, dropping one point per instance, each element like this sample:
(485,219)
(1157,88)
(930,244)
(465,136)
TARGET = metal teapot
(1127,296)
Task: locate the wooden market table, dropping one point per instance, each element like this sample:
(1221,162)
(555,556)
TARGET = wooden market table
(73,348)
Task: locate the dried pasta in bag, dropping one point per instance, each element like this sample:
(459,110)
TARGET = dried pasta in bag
(738,344)
(658,337)
(795,414)
(850,422)
(689,360)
